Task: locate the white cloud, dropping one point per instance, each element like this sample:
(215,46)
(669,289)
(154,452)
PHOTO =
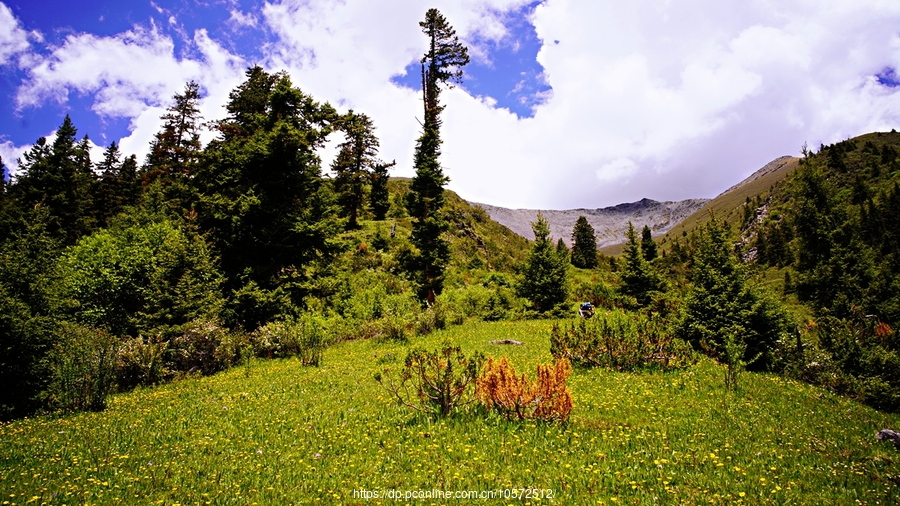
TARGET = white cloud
(678,100)
(132,75)
(616,170)
(662,100)
(10,153)
(243,19)
(13,39)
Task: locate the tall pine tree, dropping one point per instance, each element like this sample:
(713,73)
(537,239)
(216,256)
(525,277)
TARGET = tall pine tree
(379,198)
(441,65)
(355,165)
(639,278)
(261,197)
(59,177)
(175,149)
(118,186)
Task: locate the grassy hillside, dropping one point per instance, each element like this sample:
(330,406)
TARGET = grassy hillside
(476,241)
(279,433)
(729,205)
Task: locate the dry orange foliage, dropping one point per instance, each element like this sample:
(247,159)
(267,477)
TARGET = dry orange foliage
(548,398)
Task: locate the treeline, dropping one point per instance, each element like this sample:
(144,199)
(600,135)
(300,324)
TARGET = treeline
(179,264)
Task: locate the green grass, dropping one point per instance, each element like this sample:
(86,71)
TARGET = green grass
(280,433)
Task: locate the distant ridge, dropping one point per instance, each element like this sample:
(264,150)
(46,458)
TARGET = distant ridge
(610,223)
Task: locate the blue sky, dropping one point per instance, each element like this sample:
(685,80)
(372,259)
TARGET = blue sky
(566,104)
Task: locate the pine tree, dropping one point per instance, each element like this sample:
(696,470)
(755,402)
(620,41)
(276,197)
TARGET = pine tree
(118,186)
(639,278)
(561,249)
(355,164)
(545,273)
(441,65)
(648,246)
(260,194)
(379,197)
(175,149)
(59,176)
(721,303)
(584,245)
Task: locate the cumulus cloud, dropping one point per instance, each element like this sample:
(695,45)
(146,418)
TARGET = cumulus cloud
(648,99)
(665,100)
(9,152)
(13,39)
(132,75)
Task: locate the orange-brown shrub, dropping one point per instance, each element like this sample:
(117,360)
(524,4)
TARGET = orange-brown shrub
(512,396)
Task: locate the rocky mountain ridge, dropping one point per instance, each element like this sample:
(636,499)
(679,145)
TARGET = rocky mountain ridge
(610,223)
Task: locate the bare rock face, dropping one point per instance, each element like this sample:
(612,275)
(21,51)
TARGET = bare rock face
(610,223)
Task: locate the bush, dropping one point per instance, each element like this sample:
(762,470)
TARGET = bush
(621,341)
(434,382)
(863,356)
(145,278)
(234,349)
(303,337)
(195,349)
(83,368)
(140,362)
(488,301)
(548,398)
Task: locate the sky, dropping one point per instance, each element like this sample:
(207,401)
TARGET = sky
(565,104)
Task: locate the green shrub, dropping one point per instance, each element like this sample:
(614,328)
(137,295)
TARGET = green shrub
(82,368)
(194,350)
(863,356)
(302,337)
(619,340)
(140,362)
(234,349)
(146,278)
(434,382)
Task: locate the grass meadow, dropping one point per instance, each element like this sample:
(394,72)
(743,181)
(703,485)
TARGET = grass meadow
(276,432)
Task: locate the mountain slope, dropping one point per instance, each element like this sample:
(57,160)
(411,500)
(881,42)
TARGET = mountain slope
(610,223)
(729,204)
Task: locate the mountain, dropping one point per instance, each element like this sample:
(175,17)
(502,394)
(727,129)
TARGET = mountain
(729,204)
(610,223)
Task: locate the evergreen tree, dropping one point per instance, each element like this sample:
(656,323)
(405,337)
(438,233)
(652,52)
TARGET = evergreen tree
(261,197)
(561,249)
(118,186)
(722,303)
(356,164)
(441,65)
(584,244)
(29,301)
(648,246)
(59,176)
(545,274)
(639,278)
(379,197)
(175,149)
